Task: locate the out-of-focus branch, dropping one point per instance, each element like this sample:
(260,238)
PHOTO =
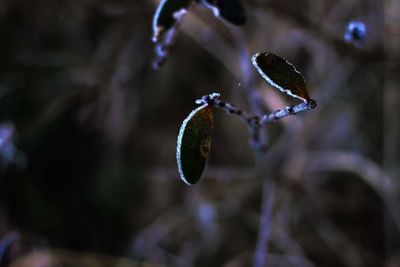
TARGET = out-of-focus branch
(294,252)
(146,243)
(64,257)
(340,244)
(221,174)
(260,256)
(223,52)
(365,169)
(288,12)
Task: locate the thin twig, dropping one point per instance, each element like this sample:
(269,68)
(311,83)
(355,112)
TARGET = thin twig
(254,121)
(290,110)
(163,48)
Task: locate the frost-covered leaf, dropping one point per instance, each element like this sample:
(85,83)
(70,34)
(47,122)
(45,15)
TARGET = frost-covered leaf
(281,74)
(194,144)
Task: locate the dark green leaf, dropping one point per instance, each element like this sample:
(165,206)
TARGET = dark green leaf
(281,74)
(194,144)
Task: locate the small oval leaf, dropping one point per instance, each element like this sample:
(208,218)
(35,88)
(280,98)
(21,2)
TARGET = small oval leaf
(230,10)
(281,74)
(194,144)
(168,13)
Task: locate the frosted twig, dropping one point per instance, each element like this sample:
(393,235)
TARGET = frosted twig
(251,119)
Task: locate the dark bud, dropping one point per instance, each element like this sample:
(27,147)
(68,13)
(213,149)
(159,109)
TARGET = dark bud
(221,104)
(312,104)
(355,31)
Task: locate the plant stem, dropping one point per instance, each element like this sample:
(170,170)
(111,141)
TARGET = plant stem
(290,110)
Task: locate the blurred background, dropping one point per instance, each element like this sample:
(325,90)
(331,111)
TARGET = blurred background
(88,133)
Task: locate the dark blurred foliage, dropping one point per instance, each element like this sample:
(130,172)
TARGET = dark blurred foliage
(94,179)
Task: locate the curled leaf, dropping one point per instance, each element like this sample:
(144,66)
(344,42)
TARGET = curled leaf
(168,13)
(281,74)
(230,10)
(194,144)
